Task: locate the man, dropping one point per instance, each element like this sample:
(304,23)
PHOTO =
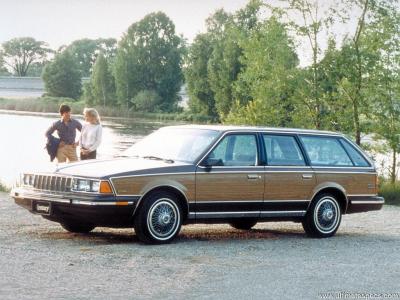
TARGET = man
(66,130)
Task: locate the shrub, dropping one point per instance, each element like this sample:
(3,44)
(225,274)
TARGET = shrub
(3,187)
(147,101)
(390,191)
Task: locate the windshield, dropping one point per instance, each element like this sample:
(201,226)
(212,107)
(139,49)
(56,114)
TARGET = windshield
(181,144)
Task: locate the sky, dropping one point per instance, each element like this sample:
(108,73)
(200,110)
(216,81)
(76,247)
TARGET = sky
(59,22)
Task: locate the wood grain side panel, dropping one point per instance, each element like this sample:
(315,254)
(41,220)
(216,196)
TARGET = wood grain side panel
(229,187)
(139,185)
(288,186)
(354,184)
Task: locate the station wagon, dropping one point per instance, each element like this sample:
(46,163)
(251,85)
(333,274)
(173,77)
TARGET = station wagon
(209,174)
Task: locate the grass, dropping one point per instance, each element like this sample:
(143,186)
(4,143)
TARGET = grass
(51,105)
(390,191)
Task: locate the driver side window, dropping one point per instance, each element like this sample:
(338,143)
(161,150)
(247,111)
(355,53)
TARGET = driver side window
(235,150)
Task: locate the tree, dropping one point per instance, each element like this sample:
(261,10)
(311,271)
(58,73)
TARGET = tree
(85,52)
(268,60)
(3,69)
(149,57)
(20,53)
(102,81)
(62,77)
(385,87)
(311,20)
(201,96)
(224,64)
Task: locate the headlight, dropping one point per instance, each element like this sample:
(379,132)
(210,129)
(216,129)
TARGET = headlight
(88,185)
(85,185)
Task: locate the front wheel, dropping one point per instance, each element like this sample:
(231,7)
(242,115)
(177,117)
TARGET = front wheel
(323,217)
(159,219)
(77,227)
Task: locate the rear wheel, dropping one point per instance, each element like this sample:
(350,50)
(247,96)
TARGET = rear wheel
(323,217)
(77,227)
(159,219)
(244,224)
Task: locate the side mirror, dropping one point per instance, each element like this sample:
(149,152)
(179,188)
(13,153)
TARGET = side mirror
(211,162)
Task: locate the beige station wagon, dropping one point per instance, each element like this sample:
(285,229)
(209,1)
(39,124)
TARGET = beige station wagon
(209,174)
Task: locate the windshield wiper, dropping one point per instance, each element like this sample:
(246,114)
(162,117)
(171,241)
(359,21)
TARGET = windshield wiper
(158,158)
(124,155)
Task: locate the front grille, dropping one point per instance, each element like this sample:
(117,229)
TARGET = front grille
(52,183)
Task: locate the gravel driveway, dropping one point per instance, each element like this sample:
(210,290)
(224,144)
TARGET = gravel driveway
(39,260)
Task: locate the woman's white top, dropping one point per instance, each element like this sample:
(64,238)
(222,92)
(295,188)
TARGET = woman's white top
(90,136)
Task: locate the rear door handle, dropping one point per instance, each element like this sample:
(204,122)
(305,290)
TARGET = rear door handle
(307,176)
(253,176)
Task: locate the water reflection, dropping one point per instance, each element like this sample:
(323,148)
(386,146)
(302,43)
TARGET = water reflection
(23,140)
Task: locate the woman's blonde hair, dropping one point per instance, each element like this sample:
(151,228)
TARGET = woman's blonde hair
(93,113)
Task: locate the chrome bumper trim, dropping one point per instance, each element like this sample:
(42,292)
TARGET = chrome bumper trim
(367,202)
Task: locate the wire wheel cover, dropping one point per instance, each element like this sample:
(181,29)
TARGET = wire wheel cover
(326,215)
(163,219)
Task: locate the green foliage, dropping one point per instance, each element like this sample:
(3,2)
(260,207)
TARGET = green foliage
(85,52)
(36,69)
(102,83)
(201,96)
(3,187)
(42,105)
(3,69)
(390,191)
(269,60)
(149,57)
(147,101)
(62,77)
(20,53)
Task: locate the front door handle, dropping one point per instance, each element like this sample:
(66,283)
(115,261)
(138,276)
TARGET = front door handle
(253,176)
(307,176)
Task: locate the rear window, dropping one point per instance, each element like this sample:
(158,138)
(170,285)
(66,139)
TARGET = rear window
(326,151)
(355,155)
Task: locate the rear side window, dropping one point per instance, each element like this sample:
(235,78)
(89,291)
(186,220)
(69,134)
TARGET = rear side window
(283,151)
(355,155)
(326,151)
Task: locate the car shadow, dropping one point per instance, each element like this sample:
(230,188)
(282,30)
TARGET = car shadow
(191,234)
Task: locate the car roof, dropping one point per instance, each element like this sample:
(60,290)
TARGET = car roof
(224,128)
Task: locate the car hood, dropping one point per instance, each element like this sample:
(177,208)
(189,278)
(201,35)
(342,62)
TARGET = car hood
(98,168)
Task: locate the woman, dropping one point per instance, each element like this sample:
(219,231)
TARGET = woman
(91,134)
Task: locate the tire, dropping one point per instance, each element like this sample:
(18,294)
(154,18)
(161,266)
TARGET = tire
(77,227)
(244,224)
(323,217)
(159,219)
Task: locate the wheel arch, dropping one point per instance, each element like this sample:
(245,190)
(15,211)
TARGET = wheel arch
(337,191)
(180,195)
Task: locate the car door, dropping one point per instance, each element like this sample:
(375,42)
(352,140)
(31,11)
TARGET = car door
(229,180)
(289,181)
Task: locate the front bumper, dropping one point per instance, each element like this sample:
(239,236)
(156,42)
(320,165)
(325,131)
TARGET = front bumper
(364,203)
(99,210)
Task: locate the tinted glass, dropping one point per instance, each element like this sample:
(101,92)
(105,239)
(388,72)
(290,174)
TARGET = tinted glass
(283,151)
(325,151)
(355,155)
(236,150)
(184,144)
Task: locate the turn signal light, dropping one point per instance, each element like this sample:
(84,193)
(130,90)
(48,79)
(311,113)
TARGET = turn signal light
(105,187)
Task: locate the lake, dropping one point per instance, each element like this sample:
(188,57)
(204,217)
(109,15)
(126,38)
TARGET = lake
(23,141)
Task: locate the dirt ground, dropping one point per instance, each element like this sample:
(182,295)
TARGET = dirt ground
(39,260)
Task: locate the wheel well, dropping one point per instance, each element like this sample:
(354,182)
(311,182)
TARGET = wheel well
(339,195)
(179,195)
